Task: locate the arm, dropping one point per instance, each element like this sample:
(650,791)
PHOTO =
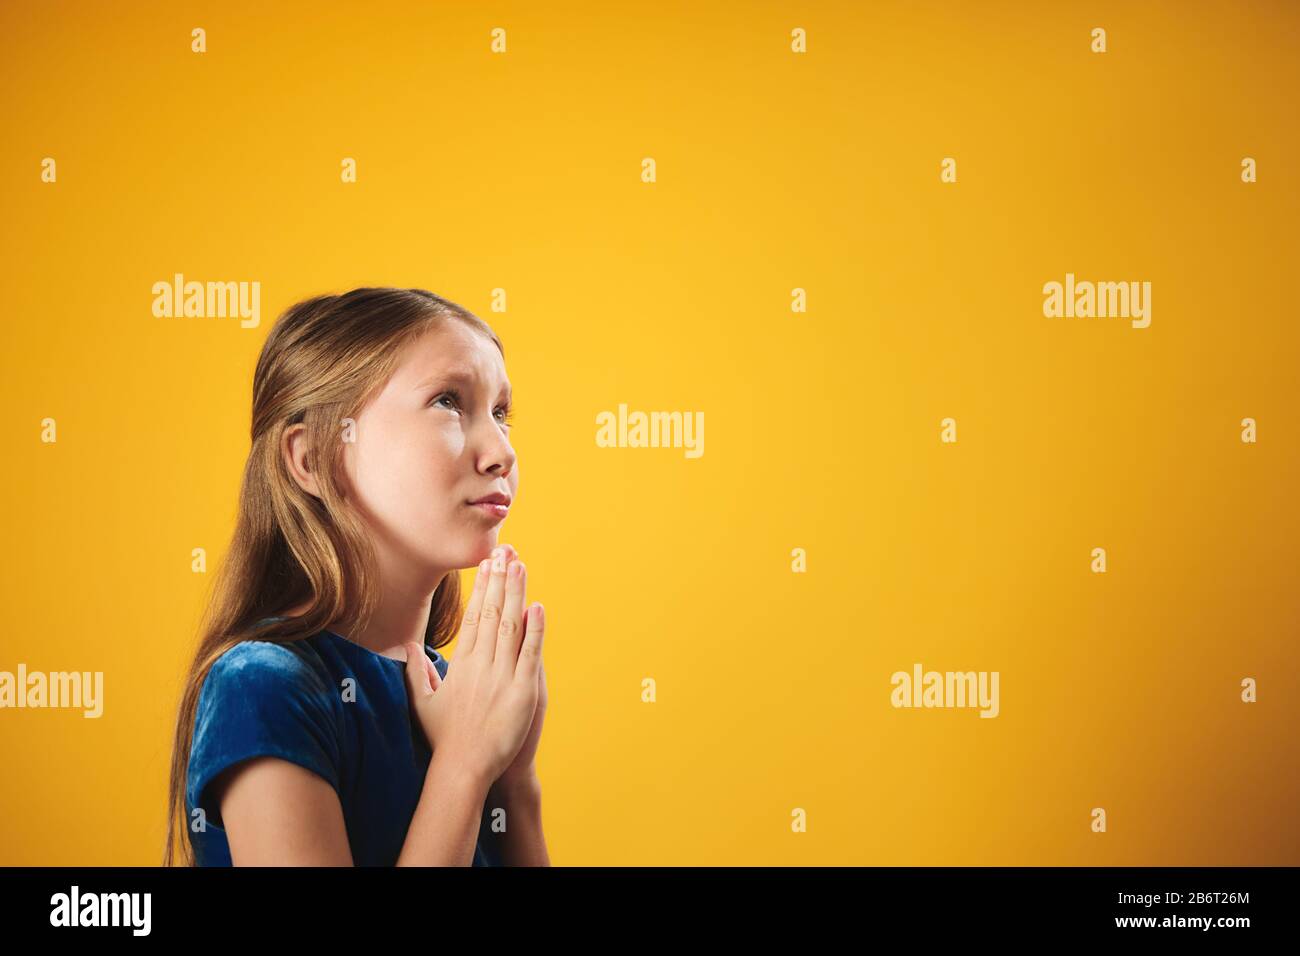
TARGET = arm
(444,829)
(522,843)
(277,813)
(265,757)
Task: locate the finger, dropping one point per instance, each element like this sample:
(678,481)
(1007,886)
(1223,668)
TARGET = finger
(511,631)
(473,610)
(485,639)
(541,680)
(530,652)
(435,679)
(417,678)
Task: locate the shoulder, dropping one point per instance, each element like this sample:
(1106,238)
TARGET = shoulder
(257,668)
(262,698)
(293,657)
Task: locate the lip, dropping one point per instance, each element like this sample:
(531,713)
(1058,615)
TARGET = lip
(495,505)
(496,498)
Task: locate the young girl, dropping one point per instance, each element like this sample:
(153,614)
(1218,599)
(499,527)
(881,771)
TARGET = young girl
(319,725)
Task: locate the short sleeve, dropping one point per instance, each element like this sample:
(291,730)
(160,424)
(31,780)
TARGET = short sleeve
(260,699)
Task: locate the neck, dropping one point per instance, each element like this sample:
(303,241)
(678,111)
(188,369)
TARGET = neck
(402,614)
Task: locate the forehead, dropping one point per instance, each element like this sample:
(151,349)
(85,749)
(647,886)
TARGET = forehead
(447,349)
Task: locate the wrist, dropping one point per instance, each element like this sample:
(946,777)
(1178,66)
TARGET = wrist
(452,770)
(518,786)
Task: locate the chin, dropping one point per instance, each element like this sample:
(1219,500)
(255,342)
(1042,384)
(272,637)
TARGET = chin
(477,550)
(484,550)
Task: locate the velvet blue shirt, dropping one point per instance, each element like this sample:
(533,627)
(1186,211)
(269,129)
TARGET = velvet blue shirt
(262,698)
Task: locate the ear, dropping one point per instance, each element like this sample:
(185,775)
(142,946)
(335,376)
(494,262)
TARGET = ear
(299,460)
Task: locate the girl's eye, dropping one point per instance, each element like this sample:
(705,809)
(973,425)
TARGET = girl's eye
(505,411)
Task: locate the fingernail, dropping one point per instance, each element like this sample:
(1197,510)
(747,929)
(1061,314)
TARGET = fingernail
(499,561)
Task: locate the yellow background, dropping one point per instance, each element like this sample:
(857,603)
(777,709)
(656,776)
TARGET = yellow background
(775,171)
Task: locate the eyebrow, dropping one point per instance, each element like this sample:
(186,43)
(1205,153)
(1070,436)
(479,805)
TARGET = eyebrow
(458,377)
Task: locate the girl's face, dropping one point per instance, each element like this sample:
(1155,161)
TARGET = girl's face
(433,440)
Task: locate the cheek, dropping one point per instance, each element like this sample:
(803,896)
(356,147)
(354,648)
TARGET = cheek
(403,474)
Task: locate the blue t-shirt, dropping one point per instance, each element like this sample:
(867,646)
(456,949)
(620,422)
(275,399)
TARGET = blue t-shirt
(263,698)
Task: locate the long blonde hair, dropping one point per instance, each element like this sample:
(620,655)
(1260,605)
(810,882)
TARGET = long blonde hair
(322,362)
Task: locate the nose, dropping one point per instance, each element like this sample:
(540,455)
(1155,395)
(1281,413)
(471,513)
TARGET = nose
(496,455)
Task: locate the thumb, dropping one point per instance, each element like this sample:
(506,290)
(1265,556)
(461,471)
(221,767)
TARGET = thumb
(417,675)
(435,679)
